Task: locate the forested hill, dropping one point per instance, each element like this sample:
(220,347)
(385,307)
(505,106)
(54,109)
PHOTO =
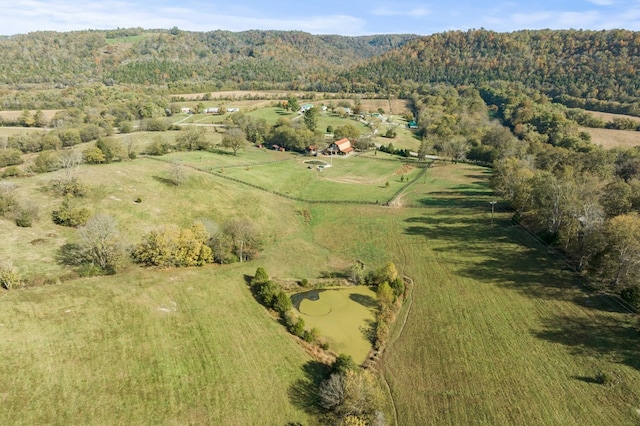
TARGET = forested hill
(581,64)
(249,59)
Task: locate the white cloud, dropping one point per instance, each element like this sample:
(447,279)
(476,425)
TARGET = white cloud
(66,15)
(603,2)
(415,12)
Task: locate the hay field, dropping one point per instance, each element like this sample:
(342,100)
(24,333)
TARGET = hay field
(610,138)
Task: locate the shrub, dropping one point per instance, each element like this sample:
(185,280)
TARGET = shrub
(9,276)
(172,246)
(157,147)
(137,200)
(282,302)
(93,156)
(11,171)
(10,157)
(304,282)
(294,323)
(260,276)
(154,124)
(267,292)
(46,162)
(311,335)
(125,127)
(8,201)
(631,295)
(342,364)
(69,187)
(69,215)
(26,214)
(69,136)
(398,286)
(90,132)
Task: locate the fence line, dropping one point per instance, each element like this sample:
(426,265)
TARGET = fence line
(271,191)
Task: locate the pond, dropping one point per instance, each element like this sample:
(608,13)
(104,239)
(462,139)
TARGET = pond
(345,317)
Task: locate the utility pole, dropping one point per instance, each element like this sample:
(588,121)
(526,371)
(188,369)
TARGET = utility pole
(493,205)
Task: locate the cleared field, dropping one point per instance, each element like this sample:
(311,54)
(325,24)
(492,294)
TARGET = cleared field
(348,179)
(606,116)
(498,332)
(610,138)
(147,347)
(272,114)
(344,316)
(9,131)
(48,114)
(393,106)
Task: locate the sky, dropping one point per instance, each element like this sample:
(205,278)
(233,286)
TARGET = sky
(350,17)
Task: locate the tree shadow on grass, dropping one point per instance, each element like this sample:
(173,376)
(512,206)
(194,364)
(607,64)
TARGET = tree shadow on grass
(303,393)
(507,257)
(605,336)
(502,255)
(219,151)
(587,379)
(167,181)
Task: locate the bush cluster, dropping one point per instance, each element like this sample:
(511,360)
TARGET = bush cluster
(70,214)
(272,296)
(71,186)
(9,277)
(171,246)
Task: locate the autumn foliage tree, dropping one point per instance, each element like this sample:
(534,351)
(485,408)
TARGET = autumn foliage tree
(171,246)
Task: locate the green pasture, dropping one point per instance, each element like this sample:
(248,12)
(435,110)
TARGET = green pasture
(447,185)
(498,331)
(10,131)
(185,346)
(113,189)
(348,179)
(330,119)
(344,316)
(272,114)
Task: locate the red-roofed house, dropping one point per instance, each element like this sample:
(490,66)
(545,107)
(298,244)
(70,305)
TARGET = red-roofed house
(341,147)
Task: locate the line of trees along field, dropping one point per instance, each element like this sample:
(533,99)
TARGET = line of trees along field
(577,196)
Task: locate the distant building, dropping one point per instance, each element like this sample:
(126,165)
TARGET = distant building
(340,147)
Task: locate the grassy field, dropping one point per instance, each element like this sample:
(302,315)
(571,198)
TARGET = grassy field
(344,316)
(348,179)
(146,347)
(497,332)
(610,138)
(607,116)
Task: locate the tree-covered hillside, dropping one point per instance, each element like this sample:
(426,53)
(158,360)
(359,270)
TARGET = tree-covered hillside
(249,59)
(581,64)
